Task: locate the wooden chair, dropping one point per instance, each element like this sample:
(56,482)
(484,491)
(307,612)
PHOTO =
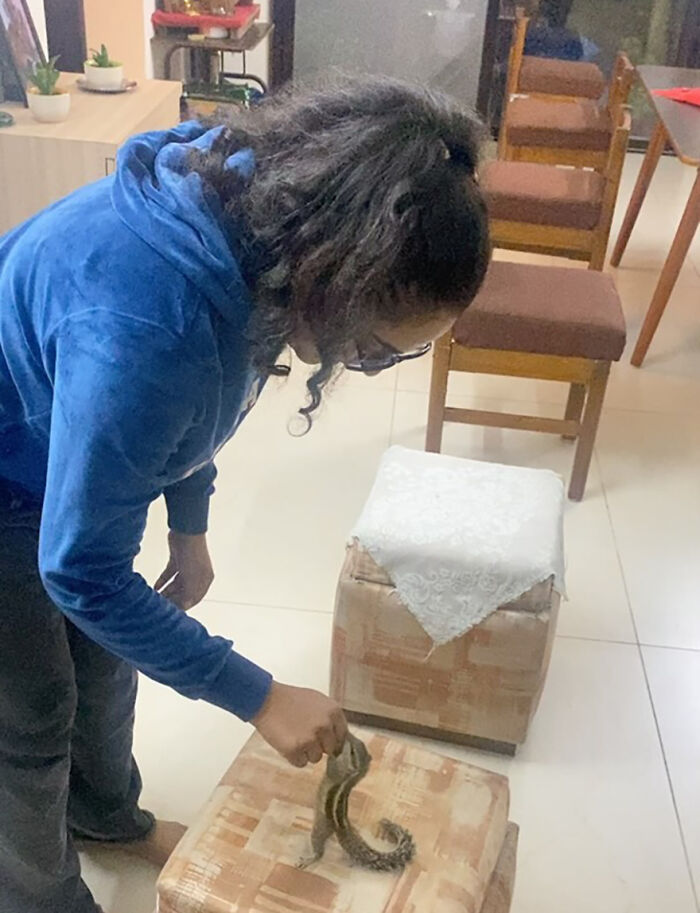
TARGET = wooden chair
(546,77)
(542,322)
(545,209)
(577,132)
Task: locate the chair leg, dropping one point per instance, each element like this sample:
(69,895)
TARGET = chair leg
(574,407)
(589,427)
(669,273)
(438,393)
(597,259)
(502,142)
(654,151)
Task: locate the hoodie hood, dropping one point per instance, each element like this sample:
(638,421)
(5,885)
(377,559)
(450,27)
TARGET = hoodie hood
(176,213)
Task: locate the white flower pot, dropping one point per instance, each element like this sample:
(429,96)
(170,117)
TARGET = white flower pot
(49,109)
(215,31)
(103,77)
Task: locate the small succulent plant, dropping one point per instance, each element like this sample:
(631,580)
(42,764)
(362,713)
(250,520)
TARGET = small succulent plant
(101,58)
(44,76)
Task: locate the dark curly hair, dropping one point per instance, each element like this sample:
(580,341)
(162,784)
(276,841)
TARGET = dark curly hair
(363,209)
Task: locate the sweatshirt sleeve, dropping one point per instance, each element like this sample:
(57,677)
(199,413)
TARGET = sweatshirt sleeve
(188,501)
(125,396)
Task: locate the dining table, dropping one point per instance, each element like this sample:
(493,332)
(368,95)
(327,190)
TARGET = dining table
(678,126)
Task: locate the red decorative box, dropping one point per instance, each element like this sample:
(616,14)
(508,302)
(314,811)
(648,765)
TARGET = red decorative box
(239,19)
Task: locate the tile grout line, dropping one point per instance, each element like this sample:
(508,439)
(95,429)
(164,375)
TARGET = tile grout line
(618,556)
(597,640)
(689,868)
(263,605)
(582,637)
(669,647)
(626,643)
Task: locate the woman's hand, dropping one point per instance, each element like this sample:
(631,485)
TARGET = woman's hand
(189,574)
(302,725)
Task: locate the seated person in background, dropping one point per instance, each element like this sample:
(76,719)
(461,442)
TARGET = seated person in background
(548,36)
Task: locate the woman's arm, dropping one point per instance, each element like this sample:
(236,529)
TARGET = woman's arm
(188,501)
(125,395)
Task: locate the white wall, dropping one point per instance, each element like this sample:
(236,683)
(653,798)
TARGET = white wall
(36,8)
(148,8)
(258,60)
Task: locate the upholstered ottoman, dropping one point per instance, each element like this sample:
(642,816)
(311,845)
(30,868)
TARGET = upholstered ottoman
(241,855)
(447,602)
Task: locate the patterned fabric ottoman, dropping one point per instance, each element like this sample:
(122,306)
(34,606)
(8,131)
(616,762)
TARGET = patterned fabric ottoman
(480,689)
(241,855)
(447,602)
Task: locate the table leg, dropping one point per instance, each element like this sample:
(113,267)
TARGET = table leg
(656,146)
(669,273)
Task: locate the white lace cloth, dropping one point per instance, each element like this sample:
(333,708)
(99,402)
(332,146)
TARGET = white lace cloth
(460,538)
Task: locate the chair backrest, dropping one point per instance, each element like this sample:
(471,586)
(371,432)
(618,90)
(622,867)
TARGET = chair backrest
(613,170)
(517,47)
(620,84)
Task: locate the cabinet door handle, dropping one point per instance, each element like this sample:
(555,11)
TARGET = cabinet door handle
(110,165)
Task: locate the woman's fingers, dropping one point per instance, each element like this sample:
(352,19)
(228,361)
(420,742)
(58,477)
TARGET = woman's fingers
(314,752)
(166,576)
(301,724)
(173,592)
(340,731)
(329,742)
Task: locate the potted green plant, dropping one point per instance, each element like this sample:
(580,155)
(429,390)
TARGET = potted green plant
(46,101)
(101,72)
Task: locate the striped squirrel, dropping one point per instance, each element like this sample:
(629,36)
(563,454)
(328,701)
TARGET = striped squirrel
(343,773)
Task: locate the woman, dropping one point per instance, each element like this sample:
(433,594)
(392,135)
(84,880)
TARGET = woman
(139,319)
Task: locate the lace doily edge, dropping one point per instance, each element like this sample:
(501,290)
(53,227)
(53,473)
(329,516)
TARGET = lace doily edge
(487,609)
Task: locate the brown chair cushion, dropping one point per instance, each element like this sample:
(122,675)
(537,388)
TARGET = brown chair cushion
(548,310)
(558,125)
(543,194)
(548,76)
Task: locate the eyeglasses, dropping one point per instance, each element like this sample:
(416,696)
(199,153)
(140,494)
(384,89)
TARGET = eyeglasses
(383,356)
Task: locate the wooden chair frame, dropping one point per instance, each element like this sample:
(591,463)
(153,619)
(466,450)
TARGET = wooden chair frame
(618,94)
(515,61)
(517,51)
(587,378)
(574,243)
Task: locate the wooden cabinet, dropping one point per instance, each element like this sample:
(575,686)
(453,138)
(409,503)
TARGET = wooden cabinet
(40,163)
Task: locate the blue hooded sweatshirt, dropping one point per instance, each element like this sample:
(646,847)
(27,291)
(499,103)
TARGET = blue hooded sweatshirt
(123,369)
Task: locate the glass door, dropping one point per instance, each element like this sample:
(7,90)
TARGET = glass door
(435,42)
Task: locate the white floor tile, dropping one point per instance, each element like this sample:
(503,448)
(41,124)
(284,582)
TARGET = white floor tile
(293,645)
(589,790)
(285,505)
(119,882)
(658,219)
(674,680)
(649,464)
